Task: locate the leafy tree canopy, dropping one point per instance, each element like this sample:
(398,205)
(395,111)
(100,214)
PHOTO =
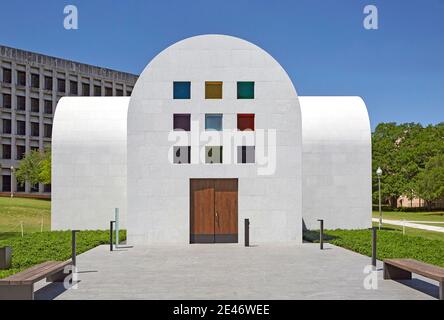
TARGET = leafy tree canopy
(403,151)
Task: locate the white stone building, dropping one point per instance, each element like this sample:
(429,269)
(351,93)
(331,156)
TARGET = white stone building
(213,133)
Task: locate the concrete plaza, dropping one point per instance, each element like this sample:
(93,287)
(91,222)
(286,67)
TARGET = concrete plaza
(230,271)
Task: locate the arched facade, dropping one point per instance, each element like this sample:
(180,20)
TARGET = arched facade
(159,196)
(281,161)
(88,162)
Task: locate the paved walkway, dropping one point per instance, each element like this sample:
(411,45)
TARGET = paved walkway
(412,224)
(230,271)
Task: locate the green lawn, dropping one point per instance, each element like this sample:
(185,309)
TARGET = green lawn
(37,247)
(391,243)
(14,211)
(411,216)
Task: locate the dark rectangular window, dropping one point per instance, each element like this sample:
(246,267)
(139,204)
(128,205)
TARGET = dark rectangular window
(48,130)
(97,91)
(20,187)
(47,188)
(21,150)
(73,88)
(48,83)
(6,150)
(246,154)
(6,101)
(35,105)
(245,121)
(35,80)
(35,129)
(128,93)
(48,107)
(245,90)
(7,126)
(119,92)
(21,103)
(108,91)
(21,78)
(85,89)
(182,154)
(182,122)
(7,75)
(35,188)
(6,183)
(61,85)
(21,127)
(182,90)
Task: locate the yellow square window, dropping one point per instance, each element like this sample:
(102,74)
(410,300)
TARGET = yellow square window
(213,90)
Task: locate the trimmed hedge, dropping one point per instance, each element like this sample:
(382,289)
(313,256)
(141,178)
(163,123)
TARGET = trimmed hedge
(39,247)
(390,244)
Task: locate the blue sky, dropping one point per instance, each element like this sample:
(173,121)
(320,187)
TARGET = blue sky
(398,69)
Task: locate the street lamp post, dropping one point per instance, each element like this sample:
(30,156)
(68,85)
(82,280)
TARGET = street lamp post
(379,173)
(12,182)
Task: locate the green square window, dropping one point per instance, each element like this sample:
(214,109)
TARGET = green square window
(245,90)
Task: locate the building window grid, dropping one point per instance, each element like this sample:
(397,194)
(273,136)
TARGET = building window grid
(34,103)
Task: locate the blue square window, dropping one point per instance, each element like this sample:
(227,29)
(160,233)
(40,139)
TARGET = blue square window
(213,122)
(182,90)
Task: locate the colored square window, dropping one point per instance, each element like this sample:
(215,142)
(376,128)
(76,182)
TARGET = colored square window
(182,155)
(182,122)
(213,122)
(245,90)
(246,154)
(245,121)
(182,90)
(213,90)
(213,154)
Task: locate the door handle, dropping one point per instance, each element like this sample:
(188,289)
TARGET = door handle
(217,218)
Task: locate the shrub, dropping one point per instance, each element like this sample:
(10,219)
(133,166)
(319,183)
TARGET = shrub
(39,247)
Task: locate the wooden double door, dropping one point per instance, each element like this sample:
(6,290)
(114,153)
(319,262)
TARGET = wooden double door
(213,211)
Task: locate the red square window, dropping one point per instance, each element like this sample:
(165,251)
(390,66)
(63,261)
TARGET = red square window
(245,121)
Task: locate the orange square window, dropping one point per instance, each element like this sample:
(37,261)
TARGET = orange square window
(245,121)
(213,90)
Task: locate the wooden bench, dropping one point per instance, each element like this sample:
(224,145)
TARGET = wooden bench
(400,269)
(20,286)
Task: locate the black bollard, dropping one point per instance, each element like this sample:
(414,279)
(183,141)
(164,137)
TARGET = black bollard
(247,232)
(111,223)
(374,230)
(321,234)
(73,248)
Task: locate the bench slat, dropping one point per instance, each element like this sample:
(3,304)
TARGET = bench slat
(418,267)
(25,274)
(35,273)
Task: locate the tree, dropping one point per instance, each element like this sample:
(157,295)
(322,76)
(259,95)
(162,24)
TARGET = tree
(45,168)
(402,152)
(430,181)
(35,168)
